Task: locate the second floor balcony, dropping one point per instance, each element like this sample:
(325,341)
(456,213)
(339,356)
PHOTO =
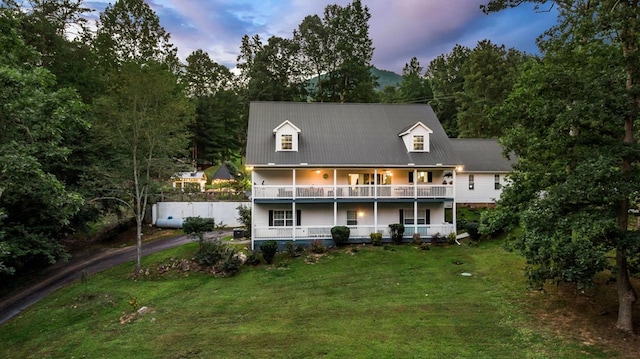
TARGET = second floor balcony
(353,192)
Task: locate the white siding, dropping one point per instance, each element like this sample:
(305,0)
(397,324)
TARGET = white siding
(484,188)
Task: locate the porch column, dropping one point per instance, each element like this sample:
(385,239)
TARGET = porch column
(335,195)
(253,206)
(415,216)
(375,216)
(293,206)
(455,206)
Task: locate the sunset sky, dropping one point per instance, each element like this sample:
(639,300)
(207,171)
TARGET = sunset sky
(400,29)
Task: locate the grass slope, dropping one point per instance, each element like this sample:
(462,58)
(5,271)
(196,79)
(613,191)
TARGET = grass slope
(398,302)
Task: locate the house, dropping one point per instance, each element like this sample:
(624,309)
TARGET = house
(365,166)
(195,179)
(480,181)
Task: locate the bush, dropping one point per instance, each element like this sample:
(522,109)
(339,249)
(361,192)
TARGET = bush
(230,261)
(417,240)
(473,230)
(451,238)
(318,247)
(210,252)
(293,250)
(397,232)
(252,258)
(376,238)
(269,250)
(245,219)
(340,235)
(195,227)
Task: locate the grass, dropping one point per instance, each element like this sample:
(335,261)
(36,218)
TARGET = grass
(369,303)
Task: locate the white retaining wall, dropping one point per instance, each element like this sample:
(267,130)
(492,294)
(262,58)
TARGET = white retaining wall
(225,212)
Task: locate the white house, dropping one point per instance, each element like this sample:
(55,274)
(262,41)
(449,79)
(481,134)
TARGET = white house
(198,179)
(480,180)
(365,166)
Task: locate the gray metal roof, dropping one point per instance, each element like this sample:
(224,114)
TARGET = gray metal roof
(339,134)
(482,155)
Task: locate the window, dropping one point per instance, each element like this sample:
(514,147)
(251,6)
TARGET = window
(496,182)
(406,216)
(418,143)
(287,142)
(352,218)
(471,182)
(283,218)
(425,177)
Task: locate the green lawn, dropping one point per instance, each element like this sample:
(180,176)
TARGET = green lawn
(374,303)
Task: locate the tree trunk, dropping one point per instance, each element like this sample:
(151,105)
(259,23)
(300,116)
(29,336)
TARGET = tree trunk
(627,296)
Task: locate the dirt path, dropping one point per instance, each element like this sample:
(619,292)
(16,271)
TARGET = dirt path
(89,263)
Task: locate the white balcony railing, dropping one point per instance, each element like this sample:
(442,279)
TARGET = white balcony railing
(357,232)
(360,191)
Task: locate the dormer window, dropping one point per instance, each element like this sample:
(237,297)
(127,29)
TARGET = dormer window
(418,143)
(287,142)
(287,137)
(416,137)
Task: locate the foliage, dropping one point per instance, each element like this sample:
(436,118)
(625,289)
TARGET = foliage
(473,229)
(196,227)
(293,250)
(376,238)
(397,232)
(451,238)
(417,239)
(37,207)
(252,258)
(245,218)
(577,147)
(318,247)
(220,256)
(269,250)
(340,235)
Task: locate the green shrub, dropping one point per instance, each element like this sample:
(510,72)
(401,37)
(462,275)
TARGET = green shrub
(417,240)
(293,250)
(397,232)
(195,227)
(376,238)
(451,238)
(210,252)
(473,230)
(340,235)
(230,262)
(318,247)
(252,258)
(245,218)
(436,238)
(269,249)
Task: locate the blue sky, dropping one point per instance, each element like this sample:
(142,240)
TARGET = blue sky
(400,29)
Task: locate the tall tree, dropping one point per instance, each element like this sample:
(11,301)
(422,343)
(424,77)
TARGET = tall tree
(35,206)
(130,31)
(579,156)
(143,119)
(489,74)
(414,88)
(218,129)
(447,82)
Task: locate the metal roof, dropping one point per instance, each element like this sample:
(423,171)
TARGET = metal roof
(345,134)
(482,155)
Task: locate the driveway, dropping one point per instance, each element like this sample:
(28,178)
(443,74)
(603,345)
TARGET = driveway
(67,272)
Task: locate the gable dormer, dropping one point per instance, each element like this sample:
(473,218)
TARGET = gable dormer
(416,137)
(286,137)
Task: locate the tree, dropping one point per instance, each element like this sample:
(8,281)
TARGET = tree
(414,88)
(578,162)
(218,131)
(143,120)
(447,82)
(35,206)
(489,73)
(129,31)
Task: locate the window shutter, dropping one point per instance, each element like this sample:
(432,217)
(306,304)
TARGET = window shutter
(427,217)
(270,218)
(401,216)
(429,177)
(298,217)
(411,177)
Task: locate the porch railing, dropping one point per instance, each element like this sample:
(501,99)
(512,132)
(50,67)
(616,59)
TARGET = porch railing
(357,232)
(360,191)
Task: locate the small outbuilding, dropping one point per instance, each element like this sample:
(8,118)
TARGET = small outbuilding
(190,179)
